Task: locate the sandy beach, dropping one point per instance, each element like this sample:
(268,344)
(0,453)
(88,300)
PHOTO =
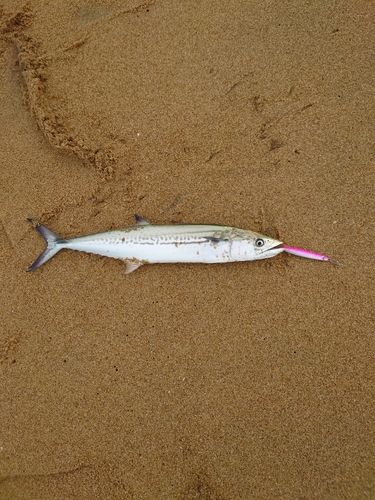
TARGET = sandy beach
(251,380)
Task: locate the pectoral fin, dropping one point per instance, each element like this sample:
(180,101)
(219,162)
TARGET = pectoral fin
(214,239)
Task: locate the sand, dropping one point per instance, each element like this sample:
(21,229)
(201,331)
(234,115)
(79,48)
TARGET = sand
(242,381)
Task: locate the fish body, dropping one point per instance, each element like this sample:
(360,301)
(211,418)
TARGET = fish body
(145,243)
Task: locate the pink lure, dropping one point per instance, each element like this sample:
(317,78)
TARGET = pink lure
(305,253)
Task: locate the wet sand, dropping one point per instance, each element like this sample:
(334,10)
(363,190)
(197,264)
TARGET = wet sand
(248,380)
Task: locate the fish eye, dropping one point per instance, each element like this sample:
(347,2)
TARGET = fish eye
(259,242)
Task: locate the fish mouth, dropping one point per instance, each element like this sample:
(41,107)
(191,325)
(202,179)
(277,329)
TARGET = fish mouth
(274,249)
(277,244)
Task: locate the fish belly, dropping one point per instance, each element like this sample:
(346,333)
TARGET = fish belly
(205,252)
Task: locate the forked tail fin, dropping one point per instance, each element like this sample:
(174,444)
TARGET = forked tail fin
(52,240)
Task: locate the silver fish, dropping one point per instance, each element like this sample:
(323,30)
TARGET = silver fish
(145,243)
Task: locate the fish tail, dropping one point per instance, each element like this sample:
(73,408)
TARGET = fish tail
(53,241)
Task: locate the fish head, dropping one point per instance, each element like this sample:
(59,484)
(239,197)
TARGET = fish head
(255,246)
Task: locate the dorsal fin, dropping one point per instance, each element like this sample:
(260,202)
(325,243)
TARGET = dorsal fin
(140,221)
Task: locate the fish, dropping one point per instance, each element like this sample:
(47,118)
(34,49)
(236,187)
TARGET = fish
(145,243)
